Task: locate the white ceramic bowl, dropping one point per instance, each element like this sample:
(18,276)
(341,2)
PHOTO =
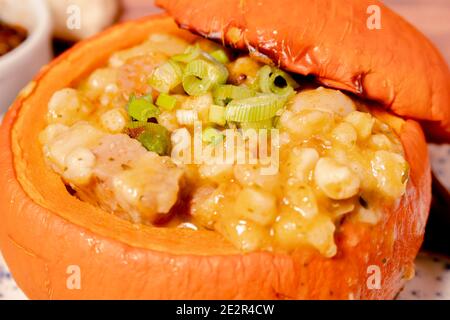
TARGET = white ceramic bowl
(19,66)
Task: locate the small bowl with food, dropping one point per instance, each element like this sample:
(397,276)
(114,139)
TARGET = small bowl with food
(257,157)
(25,30)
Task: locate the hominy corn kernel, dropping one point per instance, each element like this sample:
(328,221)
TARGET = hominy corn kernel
(169,120)
(79,135)
(99,81)
(114,120)
(256,205)
(307,123)
(369,215)
(301,163)
(204,205)
(51,132)
(325,100)
(362,122)
(200,105)
(243,70)
(216,172)
(67,106)
(301,198)
(335,180)
(321,235)
(391,172)
(381,141)
(290,230)
(78,166)
(251,176)
(120,58)
(345,133)
(167,44)
(186,117)
(341,207)
(245,235)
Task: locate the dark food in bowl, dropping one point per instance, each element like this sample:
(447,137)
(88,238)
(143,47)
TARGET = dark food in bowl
(11,36)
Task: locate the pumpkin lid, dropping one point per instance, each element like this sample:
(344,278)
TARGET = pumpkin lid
(360,46)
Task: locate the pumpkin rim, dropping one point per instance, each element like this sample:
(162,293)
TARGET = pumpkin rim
(12,131)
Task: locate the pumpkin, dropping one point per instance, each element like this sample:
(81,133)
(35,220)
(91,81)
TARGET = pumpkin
(395,65)
(45,231)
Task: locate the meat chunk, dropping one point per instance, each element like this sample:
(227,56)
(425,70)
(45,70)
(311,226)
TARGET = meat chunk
(131,181)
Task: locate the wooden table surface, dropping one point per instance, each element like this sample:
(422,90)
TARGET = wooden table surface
(432,17)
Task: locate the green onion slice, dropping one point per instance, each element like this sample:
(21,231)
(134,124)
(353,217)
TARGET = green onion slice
(254,109)
(166,102)
(263,124)
(166,77)
(274,80)
(142,109)
(155,137)
(263,77)
(217,115)
(191,53)
(212,136)
(276,122)
(221,56)
(280,82)
(223,94)
(200,76)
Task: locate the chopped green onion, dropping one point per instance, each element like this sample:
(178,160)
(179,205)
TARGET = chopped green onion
(200,76)
(263,124)
(263,77)
(274,80)
(221,56)
(223,94)
(276,122)
(142,109)
(254,109)
(155,138)
(212,136)
(191,53)
(166,102)
(217,114)
(280,82)
(166,77)
(186,117)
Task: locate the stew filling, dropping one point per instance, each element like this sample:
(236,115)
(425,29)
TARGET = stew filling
(188,135)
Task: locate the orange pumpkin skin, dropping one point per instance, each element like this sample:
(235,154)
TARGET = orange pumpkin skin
(395,65)
(44,230)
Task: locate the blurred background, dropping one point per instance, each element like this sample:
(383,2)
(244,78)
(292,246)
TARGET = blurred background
(34,31)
